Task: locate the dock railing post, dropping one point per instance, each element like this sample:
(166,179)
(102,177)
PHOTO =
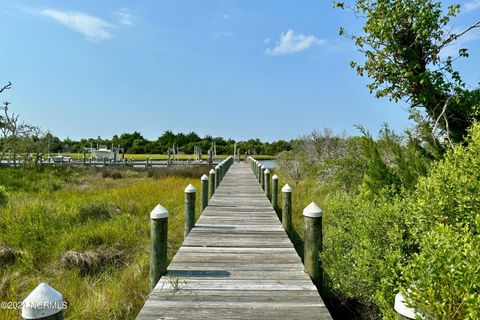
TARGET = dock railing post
(212,183)
(259,172)
(404,312)
(268,184)
(262,176)
(287,208)
(44,303)
(204,192)
(217,176)
(222,170)
(275,192)
(190,193)
(158,244)
(312,215)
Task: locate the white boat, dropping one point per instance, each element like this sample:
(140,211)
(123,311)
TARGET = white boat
(60,158)
(102,152)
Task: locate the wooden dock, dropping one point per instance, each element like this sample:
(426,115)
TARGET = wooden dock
(236,263)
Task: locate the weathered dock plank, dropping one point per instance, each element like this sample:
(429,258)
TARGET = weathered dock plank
(236,263)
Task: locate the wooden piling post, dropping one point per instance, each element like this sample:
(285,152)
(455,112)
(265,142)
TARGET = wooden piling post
(190,193)
(217,176)
(158,244)
(44,303)
(262,176)
(204,192)
(312,215)
(212,183)
(275,192)
(404,312)
(287,208)
(268,185)
(259,174)
(222,169)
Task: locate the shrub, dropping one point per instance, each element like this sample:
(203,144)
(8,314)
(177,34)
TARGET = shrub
(363,251)
(451,192)
(430,235)
(444,278)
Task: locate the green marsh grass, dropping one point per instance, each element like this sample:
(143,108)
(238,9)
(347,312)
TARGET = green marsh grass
(85,213)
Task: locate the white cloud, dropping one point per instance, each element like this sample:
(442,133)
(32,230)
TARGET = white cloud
(124,16)
(291,42)
(91,27)
(471,5)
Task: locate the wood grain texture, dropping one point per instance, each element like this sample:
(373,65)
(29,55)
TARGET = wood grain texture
(236,263)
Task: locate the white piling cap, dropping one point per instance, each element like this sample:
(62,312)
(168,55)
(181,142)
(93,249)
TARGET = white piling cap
(312,211)
(42,302)
(159,212)
(190,189)
(267,171)
(212,171)
(259,164)
(263,167)
(401,307)
(286,188)
(275,177)
(204,177)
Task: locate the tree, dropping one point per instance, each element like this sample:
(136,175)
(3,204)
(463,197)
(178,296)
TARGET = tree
(402,43)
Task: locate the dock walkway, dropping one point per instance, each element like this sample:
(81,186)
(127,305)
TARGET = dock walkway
(236,263)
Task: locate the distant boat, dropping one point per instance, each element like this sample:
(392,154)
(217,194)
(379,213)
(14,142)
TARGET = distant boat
(59,158)
(102,152)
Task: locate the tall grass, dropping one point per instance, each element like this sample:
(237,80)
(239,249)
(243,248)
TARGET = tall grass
(92,216)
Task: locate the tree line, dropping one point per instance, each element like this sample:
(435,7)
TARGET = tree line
(135,143)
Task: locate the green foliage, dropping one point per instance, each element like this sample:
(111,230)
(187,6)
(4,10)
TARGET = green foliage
(363,251)
(359,164)
(412,225)
(443,280)
(402,41)
(451,192)
(392,162)
(135,143)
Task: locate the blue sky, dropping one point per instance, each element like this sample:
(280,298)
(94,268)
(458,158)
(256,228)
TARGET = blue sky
(238,69)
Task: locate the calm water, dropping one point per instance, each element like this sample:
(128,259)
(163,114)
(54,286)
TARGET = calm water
(269,164)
